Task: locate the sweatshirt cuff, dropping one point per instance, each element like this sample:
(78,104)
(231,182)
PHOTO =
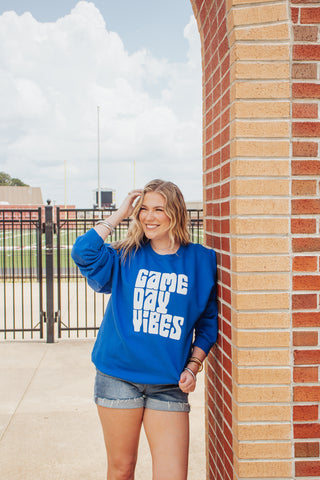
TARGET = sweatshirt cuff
(94,237)
(90,239)
(203,344)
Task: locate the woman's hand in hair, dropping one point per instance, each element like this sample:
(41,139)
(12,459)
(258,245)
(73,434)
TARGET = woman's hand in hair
(124,211)
(126,208)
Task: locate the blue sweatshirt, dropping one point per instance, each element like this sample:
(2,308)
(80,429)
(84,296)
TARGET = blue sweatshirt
(160,305)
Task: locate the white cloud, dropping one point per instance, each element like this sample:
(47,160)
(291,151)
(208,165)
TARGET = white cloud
(52,78)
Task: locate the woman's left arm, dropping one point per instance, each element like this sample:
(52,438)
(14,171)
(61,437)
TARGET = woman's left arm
(188,377)
(206,332)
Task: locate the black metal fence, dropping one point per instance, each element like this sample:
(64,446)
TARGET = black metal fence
(21,278)
(35,263)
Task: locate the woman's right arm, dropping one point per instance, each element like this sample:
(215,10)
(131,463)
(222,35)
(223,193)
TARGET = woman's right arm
(95,259)
(124,211)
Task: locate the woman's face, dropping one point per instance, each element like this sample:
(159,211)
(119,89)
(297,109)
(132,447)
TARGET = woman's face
(153,218)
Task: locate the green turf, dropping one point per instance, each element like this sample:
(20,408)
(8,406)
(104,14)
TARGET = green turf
(19,248)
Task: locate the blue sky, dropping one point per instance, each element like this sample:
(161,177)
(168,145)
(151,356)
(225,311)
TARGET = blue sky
(138,61)
(155,24)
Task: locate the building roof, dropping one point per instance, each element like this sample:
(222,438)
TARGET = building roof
(194,205)
(20,195)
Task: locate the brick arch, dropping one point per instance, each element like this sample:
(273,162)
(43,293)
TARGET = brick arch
(246,59)
(305,228)
(212,23)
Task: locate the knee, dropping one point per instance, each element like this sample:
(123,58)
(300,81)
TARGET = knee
(122,470)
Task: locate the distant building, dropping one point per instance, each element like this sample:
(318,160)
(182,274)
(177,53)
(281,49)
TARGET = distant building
(106,196)
(20,196)
(194,205)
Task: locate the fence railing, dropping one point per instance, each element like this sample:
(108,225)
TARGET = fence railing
(39,282)
(21,273)
(22,248)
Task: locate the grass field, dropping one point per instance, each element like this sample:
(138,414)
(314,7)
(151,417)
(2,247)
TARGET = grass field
(21,249)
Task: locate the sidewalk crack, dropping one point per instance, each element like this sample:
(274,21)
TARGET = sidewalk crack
(23,395)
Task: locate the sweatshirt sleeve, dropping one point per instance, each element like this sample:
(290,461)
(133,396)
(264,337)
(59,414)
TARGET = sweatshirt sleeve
(206,327)
(95,260)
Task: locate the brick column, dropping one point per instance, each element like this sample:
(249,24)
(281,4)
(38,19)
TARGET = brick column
(306,237)
(246,150)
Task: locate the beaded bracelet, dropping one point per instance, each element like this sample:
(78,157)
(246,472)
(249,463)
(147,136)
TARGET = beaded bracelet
(105,223)
(190,371)
(197,361)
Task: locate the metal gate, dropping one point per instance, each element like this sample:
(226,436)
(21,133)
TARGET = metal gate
(79,309)
(36,264)
(21,274)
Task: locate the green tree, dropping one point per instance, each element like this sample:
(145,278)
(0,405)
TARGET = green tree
(7,181)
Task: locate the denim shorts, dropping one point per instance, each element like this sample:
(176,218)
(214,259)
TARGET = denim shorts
(113,392)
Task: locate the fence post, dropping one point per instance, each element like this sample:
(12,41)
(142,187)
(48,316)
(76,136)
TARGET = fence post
(49,273)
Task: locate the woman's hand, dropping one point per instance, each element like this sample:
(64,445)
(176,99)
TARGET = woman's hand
(124,211)
(187,380)
(126,208)
(187,383)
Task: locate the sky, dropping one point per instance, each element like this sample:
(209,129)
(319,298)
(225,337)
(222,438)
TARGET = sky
(118,81)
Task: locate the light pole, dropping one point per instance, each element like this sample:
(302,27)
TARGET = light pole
(65,184)
(99,188)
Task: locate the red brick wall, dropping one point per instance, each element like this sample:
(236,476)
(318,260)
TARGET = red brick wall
(259,147)
(13,214)
(211,17)
(305,236)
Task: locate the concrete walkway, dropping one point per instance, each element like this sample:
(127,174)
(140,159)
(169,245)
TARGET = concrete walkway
(49,429)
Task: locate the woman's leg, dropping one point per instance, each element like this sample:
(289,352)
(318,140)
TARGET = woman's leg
(168,437)
(121,430)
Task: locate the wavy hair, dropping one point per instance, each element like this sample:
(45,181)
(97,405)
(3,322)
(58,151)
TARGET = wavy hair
(174,207)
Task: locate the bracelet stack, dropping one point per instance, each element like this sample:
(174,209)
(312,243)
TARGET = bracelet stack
(191,372)
(197,361)
(107,224)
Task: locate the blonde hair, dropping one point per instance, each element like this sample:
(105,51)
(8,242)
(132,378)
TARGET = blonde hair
(174,207)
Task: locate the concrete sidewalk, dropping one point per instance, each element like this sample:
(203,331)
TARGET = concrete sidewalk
(49,428)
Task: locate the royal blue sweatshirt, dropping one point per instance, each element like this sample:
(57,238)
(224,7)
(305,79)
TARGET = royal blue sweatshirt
(160,305)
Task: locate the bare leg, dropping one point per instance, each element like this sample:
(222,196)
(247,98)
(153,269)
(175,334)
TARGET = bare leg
(168,437)
(121,430)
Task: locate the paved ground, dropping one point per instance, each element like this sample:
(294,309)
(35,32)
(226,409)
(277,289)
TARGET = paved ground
(49,429)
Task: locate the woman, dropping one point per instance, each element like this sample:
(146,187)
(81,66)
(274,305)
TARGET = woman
(159,325)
